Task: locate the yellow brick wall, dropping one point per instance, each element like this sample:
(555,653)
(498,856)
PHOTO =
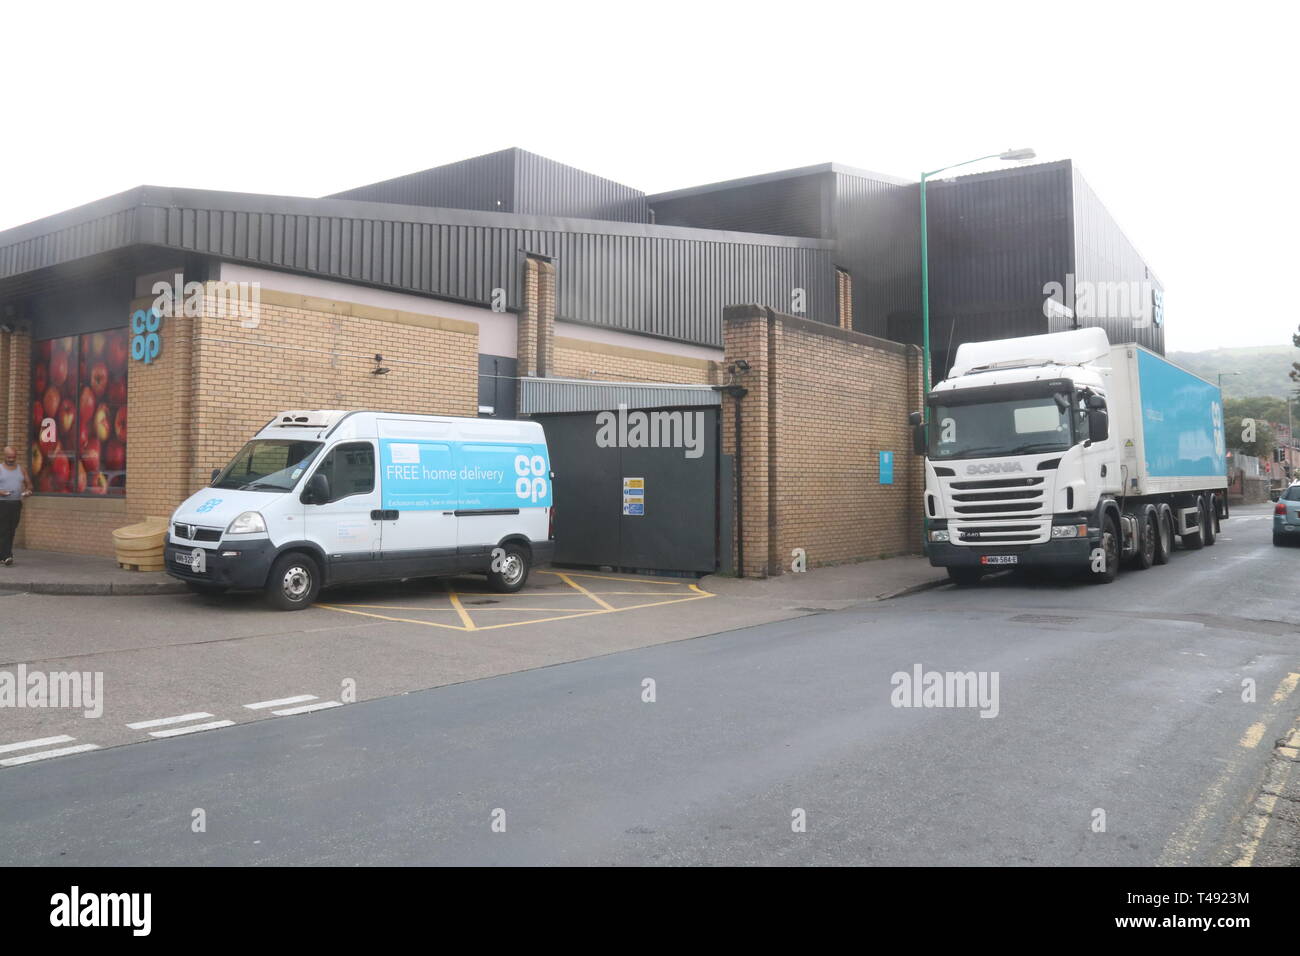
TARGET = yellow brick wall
(578,358)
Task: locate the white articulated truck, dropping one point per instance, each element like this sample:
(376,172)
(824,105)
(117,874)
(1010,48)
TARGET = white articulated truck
(1063,452)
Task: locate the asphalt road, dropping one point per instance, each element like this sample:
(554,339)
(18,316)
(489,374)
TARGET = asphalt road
(1118,705)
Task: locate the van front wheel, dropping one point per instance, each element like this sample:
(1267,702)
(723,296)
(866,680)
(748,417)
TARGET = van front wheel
(293,583)
(509,571)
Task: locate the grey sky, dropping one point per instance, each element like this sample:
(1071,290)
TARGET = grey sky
(1180,119)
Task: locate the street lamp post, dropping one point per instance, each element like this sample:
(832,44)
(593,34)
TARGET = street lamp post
(1010,155)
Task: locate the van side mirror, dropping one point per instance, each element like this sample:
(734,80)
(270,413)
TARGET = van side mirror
(317,491)
(1098,423)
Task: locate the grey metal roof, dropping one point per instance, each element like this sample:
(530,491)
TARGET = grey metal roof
(666,281)
(542,395)
(799,172)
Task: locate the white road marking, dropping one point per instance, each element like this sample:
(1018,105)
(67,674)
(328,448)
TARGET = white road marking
(263,704)
(194,729)
(307,709)
(42,742)
(47,754)
(163,721)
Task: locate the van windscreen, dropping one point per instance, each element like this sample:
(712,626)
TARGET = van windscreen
(268,464)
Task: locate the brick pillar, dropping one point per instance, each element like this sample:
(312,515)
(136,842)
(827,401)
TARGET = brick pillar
(747,334)
(844,298)
(16,400)
(536,343)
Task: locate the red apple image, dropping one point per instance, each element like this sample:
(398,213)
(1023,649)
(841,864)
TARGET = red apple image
(38,461)
(114,456)
(45,483)
(117,352)
(50,448)
(38,416)
(117,392)
(81,478)
(45,348)
(67,417)
(119,425)
(98,483)
(51,402)
(87,405)
(90,454)
(60,470)
(103,425)
(99,379)
(97,343)
(59,367)
(40,379)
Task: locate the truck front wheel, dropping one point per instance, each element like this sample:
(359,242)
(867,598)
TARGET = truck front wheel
(1104,567)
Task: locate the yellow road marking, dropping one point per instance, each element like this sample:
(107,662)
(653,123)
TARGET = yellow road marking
(1278,776)
(385,617)
(1285,688)
(592,613)
(578,587)
(464,615)
(1253,735)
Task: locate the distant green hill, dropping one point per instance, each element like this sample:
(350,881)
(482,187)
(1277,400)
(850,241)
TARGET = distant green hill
(1263,369)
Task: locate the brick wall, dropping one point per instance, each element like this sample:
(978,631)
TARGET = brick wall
(220,377)
(536,326)
(844,298)
(822,403)
(579,358)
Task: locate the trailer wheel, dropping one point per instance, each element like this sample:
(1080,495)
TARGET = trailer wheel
(1165,538)
(1110,548)
(1148,532)
(1210,521)
(965,577)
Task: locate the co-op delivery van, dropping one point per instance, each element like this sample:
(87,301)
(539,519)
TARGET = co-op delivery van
(321,498)
(1063,451)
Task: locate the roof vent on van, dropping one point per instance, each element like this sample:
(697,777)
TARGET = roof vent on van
(307,418)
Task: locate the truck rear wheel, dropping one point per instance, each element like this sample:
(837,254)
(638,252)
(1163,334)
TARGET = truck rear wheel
(1195,540)
(965,577)
(1148,529)
(1210,521)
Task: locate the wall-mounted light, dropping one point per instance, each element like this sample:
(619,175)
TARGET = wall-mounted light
(379,366)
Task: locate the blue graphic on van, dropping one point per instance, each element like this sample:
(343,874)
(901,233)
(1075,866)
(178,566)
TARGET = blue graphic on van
(424,475)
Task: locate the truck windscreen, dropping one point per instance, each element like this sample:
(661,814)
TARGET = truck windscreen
(1018,426)
(268,464)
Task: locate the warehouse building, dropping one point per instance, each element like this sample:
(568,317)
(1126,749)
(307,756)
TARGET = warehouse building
(507,285)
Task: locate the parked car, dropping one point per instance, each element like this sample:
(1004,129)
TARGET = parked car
(1286,516)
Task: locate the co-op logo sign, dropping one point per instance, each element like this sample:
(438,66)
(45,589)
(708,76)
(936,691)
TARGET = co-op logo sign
(146,339)
(996,468)
(531,484)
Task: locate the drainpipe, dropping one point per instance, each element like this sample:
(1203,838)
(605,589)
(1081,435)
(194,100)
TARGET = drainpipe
(738,392)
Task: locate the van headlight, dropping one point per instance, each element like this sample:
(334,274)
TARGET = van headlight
(250,522)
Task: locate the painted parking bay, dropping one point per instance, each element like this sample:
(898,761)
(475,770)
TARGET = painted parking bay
(550,596)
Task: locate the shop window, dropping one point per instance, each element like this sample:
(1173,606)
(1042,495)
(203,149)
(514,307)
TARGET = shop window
(78,418)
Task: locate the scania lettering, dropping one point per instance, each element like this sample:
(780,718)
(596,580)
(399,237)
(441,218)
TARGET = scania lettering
(320,498)
(1063,452)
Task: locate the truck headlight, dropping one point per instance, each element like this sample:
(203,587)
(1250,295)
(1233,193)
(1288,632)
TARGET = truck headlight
(1069,531)
(939,536)
(250,522)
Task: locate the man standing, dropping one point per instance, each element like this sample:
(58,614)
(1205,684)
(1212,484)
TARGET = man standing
(14,487)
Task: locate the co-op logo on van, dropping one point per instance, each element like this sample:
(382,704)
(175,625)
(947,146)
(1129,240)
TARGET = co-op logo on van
(531,484)
(995,468)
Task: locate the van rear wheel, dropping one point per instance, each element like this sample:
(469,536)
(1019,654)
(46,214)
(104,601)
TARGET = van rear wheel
(509,571)
(293,583)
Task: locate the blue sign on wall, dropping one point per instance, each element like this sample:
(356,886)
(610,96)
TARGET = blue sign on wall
(421,475)
(886,467)
(146,339)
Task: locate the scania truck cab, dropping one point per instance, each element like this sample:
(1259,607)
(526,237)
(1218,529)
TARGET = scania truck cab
(1061,452)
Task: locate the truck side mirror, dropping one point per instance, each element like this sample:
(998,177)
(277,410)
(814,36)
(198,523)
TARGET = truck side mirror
(1096,401)
(1098,424)
(914,419)
(317,491)
(918,433)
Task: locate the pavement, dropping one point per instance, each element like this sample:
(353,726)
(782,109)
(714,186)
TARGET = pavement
(49,572)
(1149,721)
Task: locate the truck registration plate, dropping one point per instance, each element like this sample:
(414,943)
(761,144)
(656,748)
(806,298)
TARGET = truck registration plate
(1000,559)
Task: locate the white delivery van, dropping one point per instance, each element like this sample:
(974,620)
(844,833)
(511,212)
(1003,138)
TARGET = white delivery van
(321,498)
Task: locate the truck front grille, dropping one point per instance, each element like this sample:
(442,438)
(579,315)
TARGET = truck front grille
(997,511)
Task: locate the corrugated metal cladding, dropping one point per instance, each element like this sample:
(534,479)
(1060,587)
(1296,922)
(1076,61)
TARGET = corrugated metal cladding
(514,181)
(1124,287)
(660,281)
(791,206)
(878,239)
(995,239)
(539,395)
